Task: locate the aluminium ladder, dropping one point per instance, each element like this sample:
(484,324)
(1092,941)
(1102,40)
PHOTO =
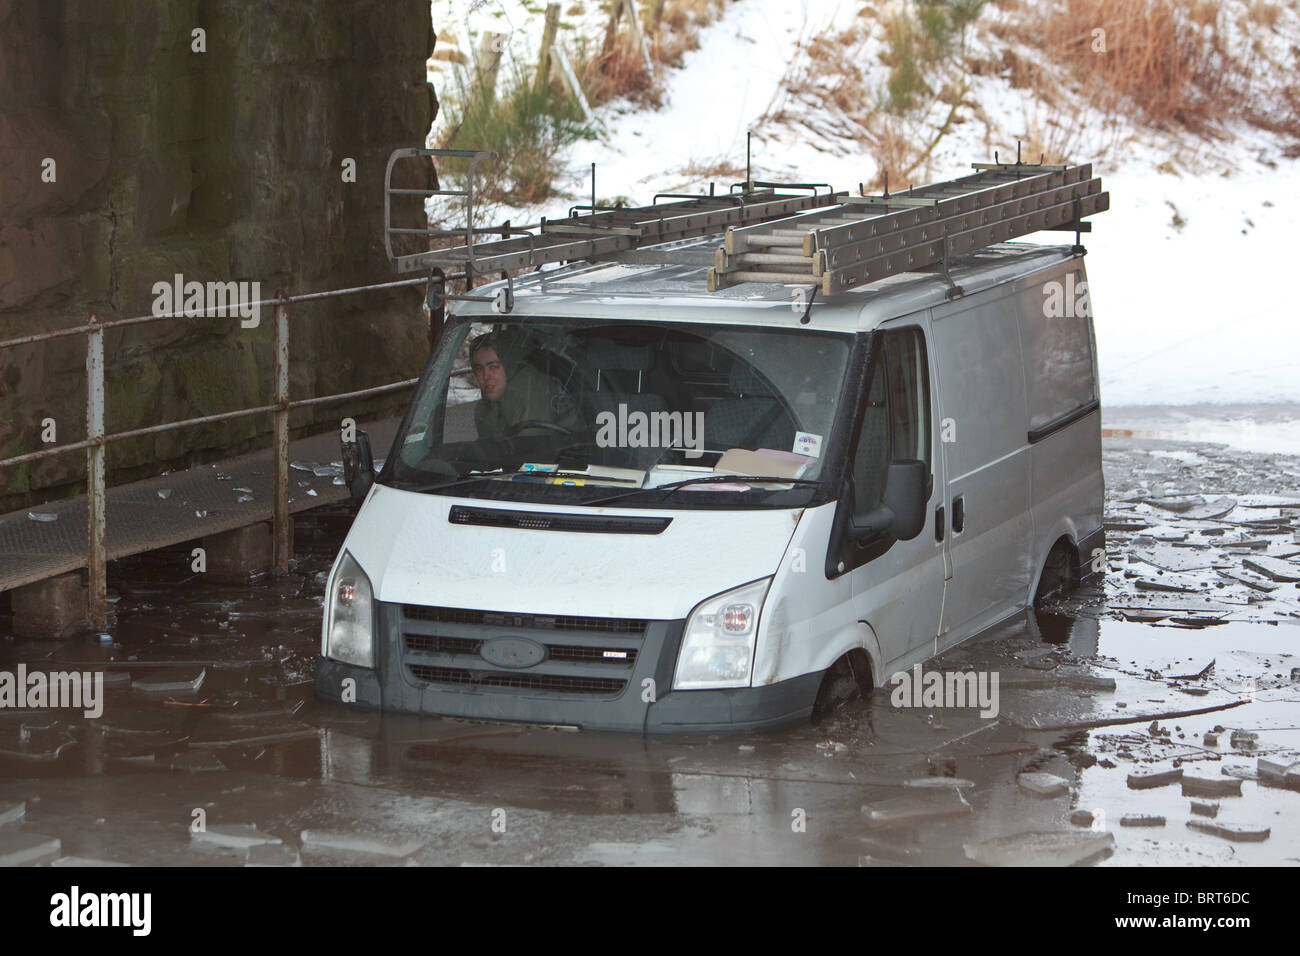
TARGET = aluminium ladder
(602,233)
(866,238)
(833,241)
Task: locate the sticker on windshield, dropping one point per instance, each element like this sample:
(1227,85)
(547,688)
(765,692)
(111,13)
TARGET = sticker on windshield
(806,443)
(529,466)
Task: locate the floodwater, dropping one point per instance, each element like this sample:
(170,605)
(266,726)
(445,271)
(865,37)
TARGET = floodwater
(1184,637)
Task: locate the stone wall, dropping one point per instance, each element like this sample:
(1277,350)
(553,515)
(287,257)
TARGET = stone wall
(219,165)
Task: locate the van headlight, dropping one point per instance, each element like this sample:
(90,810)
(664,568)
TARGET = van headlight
(718,643)
(349,626)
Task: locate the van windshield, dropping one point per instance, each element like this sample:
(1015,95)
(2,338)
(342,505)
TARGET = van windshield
(581,411)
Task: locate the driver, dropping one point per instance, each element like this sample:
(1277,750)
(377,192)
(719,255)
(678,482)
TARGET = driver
(521,395)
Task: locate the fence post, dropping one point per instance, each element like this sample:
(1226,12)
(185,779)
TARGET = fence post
(96,559)
(281,429)
(611,31)
(489,62)
(638,35)
(548,38)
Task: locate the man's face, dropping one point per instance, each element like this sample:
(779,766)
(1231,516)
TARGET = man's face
(489,373)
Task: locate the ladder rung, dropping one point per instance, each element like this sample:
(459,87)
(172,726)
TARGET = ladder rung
(720,280)
(746,260)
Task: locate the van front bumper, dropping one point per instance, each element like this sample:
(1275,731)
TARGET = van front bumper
(432,661)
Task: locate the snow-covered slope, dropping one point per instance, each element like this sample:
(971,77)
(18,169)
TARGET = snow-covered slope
(1189,270)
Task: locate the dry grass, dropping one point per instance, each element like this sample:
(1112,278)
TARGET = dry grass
(615,67)
(1265,14)
(901,122)
(723,171)
(619,73)
(1166,60)
(1176,67)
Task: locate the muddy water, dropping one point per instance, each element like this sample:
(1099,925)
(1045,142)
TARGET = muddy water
(1112,681)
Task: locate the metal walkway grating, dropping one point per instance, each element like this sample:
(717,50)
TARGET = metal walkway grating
(197,504)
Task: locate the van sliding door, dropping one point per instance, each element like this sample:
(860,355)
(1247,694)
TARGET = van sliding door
(986,454)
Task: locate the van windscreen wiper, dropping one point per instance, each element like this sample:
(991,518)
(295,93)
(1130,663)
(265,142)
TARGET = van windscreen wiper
(672,486)
(484,475)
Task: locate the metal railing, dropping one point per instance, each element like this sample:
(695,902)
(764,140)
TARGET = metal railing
(96,439)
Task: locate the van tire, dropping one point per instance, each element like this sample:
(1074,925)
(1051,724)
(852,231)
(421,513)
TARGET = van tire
(1059,575)
(845,681)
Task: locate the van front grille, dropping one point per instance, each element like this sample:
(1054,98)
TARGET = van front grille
(504,679)
(549,622)
(556,652)
(508,652)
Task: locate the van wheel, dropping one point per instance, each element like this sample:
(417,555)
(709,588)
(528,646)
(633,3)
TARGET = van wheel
(1058,575)
(847,680)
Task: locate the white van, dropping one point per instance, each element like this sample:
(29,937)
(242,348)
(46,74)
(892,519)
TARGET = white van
(705,511)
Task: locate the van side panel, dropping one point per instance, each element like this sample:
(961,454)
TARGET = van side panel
(982,380)
(1064,432)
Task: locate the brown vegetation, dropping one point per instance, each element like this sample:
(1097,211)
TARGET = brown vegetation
(616,67)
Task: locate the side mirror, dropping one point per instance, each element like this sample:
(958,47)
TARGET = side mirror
(358,465)
(902,514)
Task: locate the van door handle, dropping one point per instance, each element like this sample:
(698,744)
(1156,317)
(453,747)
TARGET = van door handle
(958,514)
(938,523)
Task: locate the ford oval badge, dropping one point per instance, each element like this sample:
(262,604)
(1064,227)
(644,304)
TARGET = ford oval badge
(512,652)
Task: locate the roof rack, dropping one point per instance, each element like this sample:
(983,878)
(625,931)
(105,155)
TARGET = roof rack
(772,232)
(599,233)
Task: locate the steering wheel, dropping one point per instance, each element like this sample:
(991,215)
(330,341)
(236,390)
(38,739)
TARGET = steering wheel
(517,427)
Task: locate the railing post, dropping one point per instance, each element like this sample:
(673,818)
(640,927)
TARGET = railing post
(281,428)
(97,559)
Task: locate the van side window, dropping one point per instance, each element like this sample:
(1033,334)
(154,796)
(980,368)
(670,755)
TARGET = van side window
(909,394)
(896,421)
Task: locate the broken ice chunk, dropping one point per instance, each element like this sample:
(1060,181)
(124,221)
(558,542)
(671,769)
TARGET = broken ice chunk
(910,810)
(1043,784)
(22,847)
(1231,831)
(1041,849)
(1211,786)
(1274,569)
(236,836)
(178,681)
(1141,820)
(1161,778)
(376,844)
